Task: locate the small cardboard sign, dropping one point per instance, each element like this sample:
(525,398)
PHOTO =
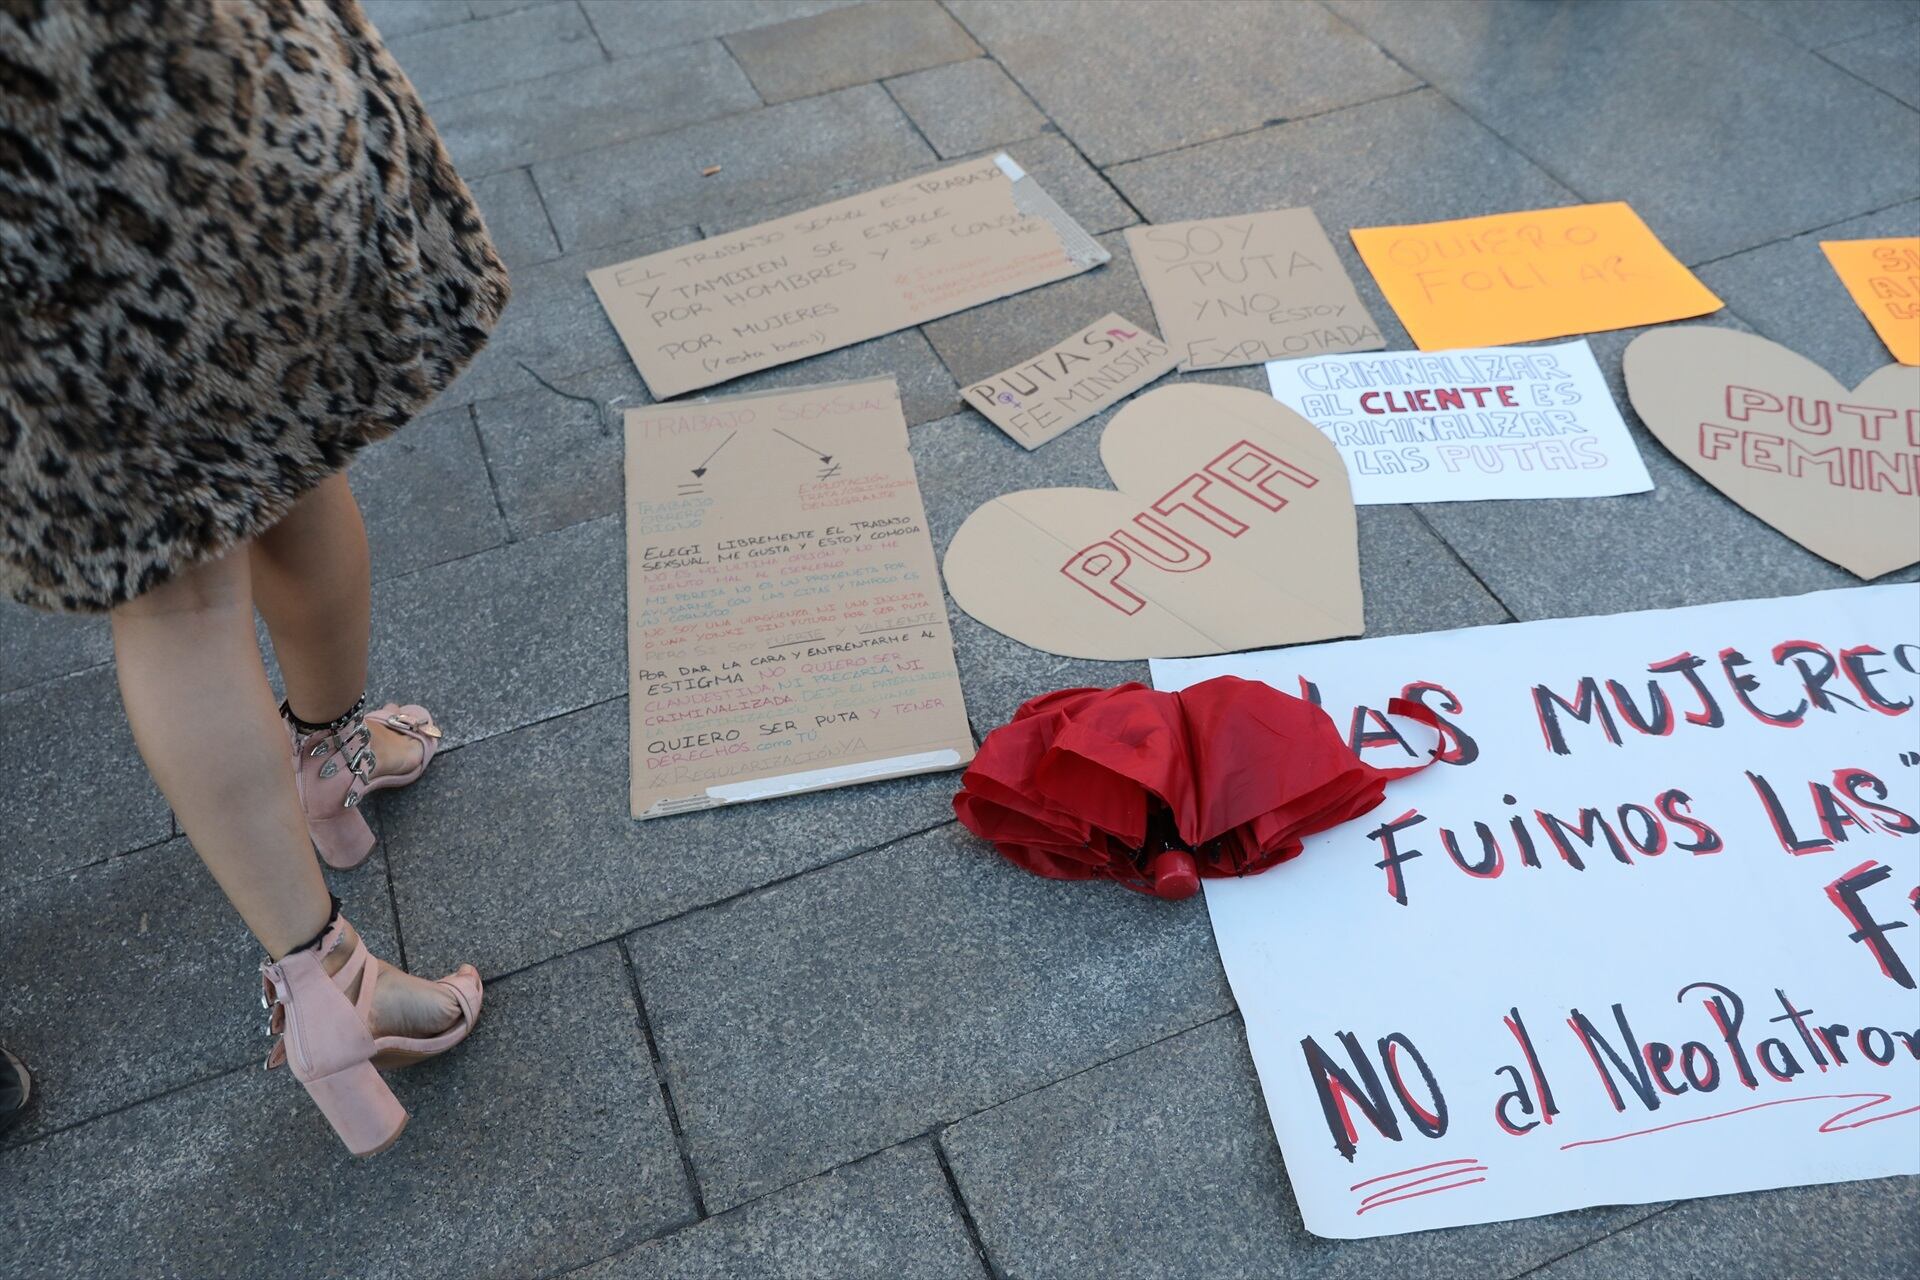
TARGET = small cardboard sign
(1249,289)
(1836,470)
(1496,422)
(1519,277)
(785,631)
(1884,278)
(1233,528)
(840,273)
(1065,385)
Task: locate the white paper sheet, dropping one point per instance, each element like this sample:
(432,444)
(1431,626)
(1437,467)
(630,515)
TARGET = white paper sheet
(1455,426)
(1320,947)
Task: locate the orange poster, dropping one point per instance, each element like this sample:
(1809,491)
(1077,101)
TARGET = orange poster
(1519,277)
(1884,278)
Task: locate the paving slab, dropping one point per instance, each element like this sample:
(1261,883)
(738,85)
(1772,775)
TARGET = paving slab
(1845,1229)
(135,977)
(1413,158)
(593,106)
(522,45)
(396,18)
(65,744)
(1887,60)
(1787,291)
(1062,173)
(553,324)
(891,991)
(773,154)
(637,26)
(539,1145)
(1818,23)
(509,637)
(1721,134)
(843,47)
(1164,1163)
(888,1215)
(494,8)
(557,452)
(1682,543)
(425,496)
(520,848)
(1136,80)
(966,107)
(36,646)
(510,205)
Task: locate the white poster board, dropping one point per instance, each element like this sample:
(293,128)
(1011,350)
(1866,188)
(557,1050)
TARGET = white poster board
(1714,994)
(1457,426)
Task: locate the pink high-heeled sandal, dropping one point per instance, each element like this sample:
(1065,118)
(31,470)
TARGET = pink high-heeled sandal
(327,1040)
(333,770)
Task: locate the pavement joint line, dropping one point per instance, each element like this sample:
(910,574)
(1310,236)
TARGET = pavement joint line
(553,229)
(659,1067)
(493,481)
(1810,231)
(393,898)
(1821,53)
(1278,122)
(1588,1244)
(586,15)
(965,1211)
(1454,551)
(173,834)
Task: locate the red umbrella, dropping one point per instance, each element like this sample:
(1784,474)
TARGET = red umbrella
(1154,790)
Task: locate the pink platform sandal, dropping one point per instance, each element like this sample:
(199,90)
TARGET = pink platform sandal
(325,1036)
(333,769)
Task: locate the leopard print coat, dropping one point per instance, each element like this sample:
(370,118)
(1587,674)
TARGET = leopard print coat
(233,252)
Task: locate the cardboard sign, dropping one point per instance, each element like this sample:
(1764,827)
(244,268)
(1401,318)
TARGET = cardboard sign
(840,273)
(1233,528)
(1245,290)
(1643,933)
(785,630)
(1065,385)
(1884,278)
(1837,471)
(1498,422)
(1518,277)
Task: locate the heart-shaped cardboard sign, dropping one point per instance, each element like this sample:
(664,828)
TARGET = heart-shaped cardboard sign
(1233,528)
(1837,471)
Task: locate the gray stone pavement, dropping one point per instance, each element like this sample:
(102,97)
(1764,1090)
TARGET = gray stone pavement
(831,1036)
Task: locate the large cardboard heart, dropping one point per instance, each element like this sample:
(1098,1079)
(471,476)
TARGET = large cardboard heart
(1233,529)
(1837,471)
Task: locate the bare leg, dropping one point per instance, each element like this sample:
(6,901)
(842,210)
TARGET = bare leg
(205,722)
(204,719)
(311,582)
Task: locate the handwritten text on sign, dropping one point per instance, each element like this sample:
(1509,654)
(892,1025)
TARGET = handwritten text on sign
(841,273)
(1517,277)
(1499,422)
(1646,932)
(1245,290)
(1884,278)
(786,630)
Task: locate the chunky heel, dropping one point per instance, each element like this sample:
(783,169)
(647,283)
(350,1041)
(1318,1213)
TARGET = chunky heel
(361,1108)
(325,1024)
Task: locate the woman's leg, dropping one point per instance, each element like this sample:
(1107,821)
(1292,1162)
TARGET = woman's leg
(204,718)
(312,583)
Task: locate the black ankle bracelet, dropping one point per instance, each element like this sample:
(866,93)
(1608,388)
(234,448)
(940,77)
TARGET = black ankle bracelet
(320,937)
(332,726)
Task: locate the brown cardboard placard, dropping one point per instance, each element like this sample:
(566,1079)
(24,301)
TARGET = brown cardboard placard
(1068,383)
(1836,470)
(785,630)
(840,273)
(1249,289)
(1233,528)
